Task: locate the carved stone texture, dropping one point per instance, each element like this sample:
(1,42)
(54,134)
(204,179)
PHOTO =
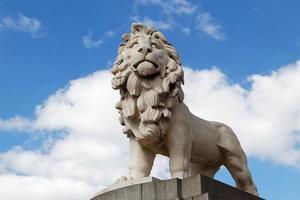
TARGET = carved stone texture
(149,75)
(198,187)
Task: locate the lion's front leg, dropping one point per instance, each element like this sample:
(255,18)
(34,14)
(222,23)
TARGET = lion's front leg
(179,144)
(141,160)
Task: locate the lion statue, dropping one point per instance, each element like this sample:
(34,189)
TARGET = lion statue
(148,74)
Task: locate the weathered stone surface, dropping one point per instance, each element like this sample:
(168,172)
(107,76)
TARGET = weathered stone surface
(117,185)
(149,75)
(198,187)
(160,190)
(191,186)
(202,197)
(132,192)
(169,189)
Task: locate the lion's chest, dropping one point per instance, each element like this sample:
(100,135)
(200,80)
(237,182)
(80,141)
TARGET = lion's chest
(158,147)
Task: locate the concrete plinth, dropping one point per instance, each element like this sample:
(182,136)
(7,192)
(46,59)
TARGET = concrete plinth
(194,188)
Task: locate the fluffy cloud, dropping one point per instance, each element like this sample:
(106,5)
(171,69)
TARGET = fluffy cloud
(207,24)
(89,42)
(162,25)
(170,7)
(186,30)
(22,23)
(33,187)
(92,152)
(265,117)
(16,123)
(175,13)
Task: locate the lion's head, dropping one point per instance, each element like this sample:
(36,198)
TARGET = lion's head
(149,75)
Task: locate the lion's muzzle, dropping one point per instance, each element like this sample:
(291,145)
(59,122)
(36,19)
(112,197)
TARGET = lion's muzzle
(146,68)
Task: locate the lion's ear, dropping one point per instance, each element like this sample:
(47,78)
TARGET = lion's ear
(125,37)
(151,30)
(137,27)
(160,36)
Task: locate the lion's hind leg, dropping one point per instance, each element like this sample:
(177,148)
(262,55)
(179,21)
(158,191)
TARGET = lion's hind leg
(235,159)
(237,166)
(196,168)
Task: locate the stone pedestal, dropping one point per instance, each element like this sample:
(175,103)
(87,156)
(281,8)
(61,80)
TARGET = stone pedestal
(194,188)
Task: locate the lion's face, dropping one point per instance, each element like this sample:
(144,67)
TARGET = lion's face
(149,75)
(146,55)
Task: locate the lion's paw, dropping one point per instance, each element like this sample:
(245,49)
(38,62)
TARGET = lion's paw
(124,179)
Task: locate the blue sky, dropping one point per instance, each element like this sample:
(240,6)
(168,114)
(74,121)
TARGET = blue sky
(250,48)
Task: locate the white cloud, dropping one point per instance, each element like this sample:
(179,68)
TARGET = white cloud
(178,12)
(110,33)
(89,155)
(22,23)
(266,117)
(170,6)
(89,42)
(94,152)
(186,30)
(163,25)
(34,188)
(15,123)
(207,24)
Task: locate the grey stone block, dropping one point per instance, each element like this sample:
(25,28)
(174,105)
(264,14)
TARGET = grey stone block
(106,196)
(230,193)
(200,184)
(204,196)
(247,196)
(162,190)
(148,191)
(213,187)
(132,192)
(193,188)
(169,189)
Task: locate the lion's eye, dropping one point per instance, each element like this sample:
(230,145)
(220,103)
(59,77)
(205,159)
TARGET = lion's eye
(134,44)
(154,45)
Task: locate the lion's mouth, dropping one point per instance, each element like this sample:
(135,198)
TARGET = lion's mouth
(146,68)
(145,60)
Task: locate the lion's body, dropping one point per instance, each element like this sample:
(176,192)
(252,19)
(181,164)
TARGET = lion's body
(202,134)
(149,75)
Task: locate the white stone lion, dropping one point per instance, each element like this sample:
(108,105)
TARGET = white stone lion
(148,74)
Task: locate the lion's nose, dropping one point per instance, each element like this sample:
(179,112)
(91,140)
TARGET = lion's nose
(145,50)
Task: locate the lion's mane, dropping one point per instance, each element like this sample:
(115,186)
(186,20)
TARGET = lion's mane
(147,103)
